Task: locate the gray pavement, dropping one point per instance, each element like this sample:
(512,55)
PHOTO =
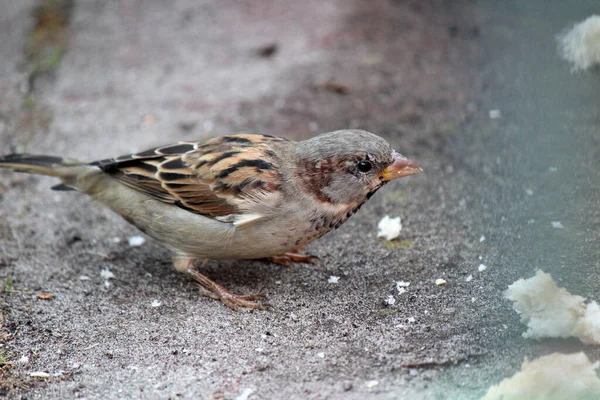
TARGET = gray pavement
(535,165)
(422,74)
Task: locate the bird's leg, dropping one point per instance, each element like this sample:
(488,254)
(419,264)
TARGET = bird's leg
(213,290)
(293,256)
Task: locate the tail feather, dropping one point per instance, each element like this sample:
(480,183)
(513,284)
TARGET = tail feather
(33,164)
(68,170)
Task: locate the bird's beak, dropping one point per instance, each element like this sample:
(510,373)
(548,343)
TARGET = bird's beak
(399,167)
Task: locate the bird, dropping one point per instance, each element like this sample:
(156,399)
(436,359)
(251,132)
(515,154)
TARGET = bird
(239,196)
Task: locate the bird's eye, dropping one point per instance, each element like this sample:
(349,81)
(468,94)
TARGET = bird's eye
(364,166)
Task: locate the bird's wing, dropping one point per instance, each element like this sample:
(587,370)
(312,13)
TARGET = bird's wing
(230,178)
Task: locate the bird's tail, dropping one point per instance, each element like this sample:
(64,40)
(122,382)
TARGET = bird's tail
(65,169)
(33,164)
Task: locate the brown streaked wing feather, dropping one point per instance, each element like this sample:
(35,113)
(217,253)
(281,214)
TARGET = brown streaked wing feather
(214,178)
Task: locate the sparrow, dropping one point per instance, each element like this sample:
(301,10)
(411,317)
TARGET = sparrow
(242,196)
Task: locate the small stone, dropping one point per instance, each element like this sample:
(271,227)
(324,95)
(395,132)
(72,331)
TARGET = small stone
(187,126)
(149,120)
(440,282)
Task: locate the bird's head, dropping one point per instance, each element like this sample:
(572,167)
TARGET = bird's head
(348,166)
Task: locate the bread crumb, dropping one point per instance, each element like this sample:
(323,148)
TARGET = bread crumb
(389,228)
(135,241)
(390,300)
(245,394)
(548,311)
(371,384)
(106,274)
(440,282)
(156,303)
(553,377)
(581,45)
(333,279)
(481,268)
(495,114)
(588,327)
(557,225)
(39,374)
(553,312)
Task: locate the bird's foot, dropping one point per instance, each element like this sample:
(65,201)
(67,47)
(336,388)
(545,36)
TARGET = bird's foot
(293,256)
(215,291)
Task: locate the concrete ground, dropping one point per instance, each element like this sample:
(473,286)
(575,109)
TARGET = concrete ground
(424,75)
